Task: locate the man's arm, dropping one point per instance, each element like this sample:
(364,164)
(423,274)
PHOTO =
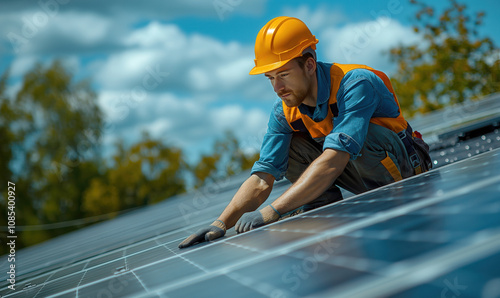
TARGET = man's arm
(256,189)
(312,183)
(315,180)
(251,194)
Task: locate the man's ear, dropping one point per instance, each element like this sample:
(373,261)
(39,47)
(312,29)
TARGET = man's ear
(310,65)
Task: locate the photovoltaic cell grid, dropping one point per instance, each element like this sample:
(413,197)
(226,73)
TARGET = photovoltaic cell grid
(434,234)
(437,230)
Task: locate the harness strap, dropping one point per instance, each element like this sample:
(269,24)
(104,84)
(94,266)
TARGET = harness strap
(392,168)
(334,109)
(298,125)
(406,138)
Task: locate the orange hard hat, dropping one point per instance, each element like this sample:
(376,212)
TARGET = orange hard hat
(279,41)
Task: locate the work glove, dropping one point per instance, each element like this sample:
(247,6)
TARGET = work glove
(216,230)
(255,219)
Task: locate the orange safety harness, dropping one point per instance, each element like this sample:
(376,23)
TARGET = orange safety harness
(302,122)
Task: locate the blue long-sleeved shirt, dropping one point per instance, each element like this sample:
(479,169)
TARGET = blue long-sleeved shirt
(361,96)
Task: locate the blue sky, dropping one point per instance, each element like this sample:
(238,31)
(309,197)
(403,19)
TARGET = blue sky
(179,69)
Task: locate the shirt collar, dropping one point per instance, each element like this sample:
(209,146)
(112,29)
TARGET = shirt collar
(323,75)
(323,78)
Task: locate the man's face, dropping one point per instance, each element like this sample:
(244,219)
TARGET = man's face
(290,82)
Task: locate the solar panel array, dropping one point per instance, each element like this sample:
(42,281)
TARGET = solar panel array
(434,124)
(466,142)
(434,234)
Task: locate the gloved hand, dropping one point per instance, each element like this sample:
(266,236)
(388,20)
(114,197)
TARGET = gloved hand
(255,219)
(216,230)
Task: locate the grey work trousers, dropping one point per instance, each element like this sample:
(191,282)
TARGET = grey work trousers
(383,160)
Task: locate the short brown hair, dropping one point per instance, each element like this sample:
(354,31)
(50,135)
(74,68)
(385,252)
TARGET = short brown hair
(301,60)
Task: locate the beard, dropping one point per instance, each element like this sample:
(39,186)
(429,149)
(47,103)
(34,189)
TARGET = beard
(294,98)
(297,96)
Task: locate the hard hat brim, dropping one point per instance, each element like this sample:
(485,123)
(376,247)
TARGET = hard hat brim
(268,67)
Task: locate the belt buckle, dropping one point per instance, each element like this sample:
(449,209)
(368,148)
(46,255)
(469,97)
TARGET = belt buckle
(415,161)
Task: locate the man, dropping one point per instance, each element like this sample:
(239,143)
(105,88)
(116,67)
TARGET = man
(334,125)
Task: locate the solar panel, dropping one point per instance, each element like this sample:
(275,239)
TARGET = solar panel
(382,244)
(455,151)
(433,234)
(437,122)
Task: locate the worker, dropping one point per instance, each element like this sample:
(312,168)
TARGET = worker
(334,125)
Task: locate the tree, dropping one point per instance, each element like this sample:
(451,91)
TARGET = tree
(452,64)
(8,138)
(6,134)
(145,173)
(53,125)
(227,159)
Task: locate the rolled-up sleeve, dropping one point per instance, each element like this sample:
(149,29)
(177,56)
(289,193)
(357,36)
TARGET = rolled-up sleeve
(357,101)
(275,145)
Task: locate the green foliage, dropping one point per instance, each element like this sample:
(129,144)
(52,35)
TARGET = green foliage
(227,159)
(452,64)
(7,137)
(147,172)
(61,127)
(6,134)
(50,129)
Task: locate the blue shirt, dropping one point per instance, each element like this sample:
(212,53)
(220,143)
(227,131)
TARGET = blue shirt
(361,96)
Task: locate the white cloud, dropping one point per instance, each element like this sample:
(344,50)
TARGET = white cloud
(22,64)
(366,42)
(200,79)
(127,69)
(79,26)
(72,26)
(201,93)
(235,72)
(35,32)
(25,63)
(156,35)
(159,127)
(363,42)
(190,123)
(193,61)
(318,19)
(134,10)
(245,123)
